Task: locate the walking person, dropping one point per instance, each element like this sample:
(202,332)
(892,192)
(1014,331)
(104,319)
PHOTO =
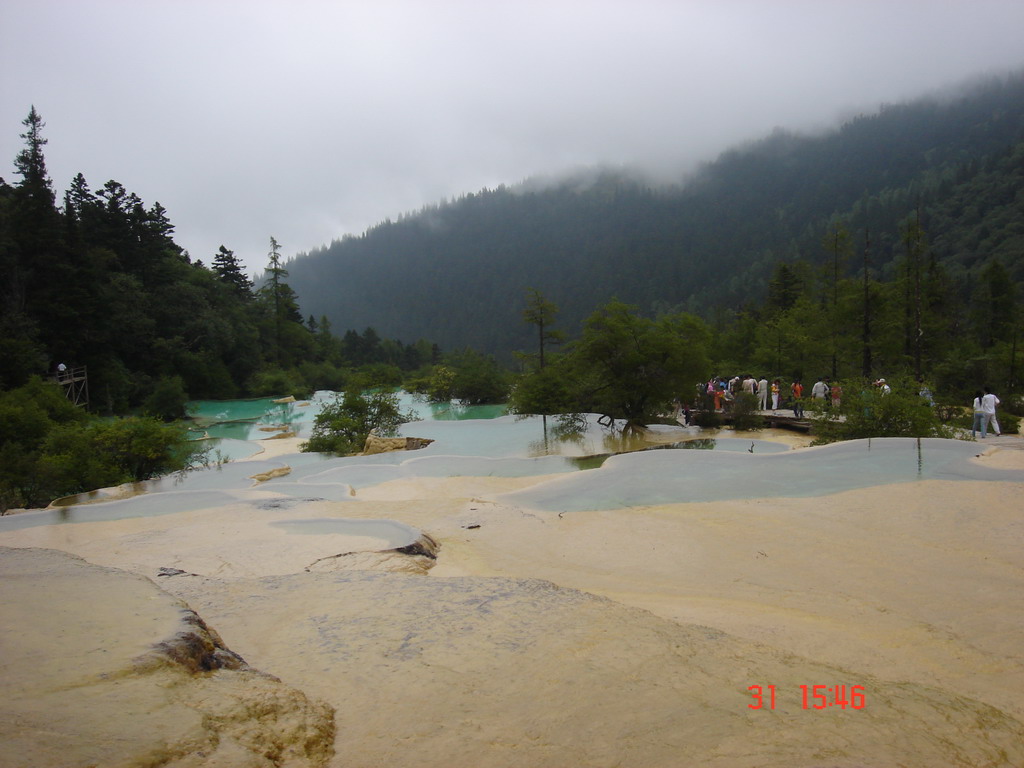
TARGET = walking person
(988,407)
(775,394)
(797,390)
(819,390)
(979,416)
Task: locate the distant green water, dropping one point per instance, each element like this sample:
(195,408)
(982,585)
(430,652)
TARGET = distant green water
(229,427)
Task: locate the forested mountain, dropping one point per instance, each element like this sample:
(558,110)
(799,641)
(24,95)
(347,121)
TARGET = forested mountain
(458,272)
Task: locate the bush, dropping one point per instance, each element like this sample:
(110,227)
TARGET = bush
(744,412)
(867,412)
(544,391)
(275,382)
(708,418)
(76,459)
(323,376)
(380,375)
(478,378)
(167,401)
(343,425)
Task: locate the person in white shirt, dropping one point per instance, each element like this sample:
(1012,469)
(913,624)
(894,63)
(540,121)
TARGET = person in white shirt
(819,390)
(762,394)
(988,410)
(979,416)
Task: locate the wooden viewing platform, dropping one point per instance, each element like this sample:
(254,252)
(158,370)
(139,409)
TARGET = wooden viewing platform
(76,384)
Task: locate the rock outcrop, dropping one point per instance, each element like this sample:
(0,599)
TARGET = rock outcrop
(375,444)
(102,667)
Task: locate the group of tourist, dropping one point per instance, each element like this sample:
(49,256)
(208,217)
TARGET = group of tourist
(769,395)
(723,392)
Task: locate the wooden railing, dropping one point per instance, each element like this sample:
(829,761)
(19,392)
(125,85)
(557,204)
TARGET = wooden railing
(76,384)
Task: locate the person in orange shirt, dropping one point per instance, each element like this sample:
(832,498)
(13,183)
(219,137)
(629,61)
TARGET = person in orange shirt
(797,390)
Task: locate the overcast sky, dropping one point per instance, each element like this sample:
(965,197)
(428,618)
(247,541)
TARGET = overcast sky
(306,120)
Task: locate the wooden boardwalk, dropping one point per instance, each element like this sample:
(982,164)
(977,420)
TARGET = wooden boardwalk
(780,419)
(784,419)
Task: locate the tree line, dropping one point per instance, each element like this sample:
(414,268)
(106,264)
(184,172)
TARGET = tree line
(96,281)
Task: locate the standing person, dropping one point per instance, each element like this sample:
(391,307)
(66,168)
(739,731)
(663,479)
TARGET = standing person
(762,394)
(885,388)
(797,390)
(837,394)
(820,389)
(979,416)
(926,394)
(988,407)
(61,371)
(776,386)
(749,385)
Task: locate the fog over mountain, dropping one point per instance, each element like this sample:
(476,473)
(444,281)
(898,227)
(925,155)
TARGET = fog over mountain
(313,120)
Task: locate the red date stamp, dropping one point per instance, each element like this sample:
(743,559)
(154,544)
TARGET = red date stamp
(813,696)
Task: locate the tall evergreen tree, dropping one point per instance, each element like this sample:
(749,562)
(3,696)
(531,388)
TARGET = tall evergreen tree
(40,267)
(541,313)
(837,242)
(229,269)
(30,163)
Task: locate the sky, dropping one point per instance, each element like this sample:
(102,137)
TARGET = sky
(306,120)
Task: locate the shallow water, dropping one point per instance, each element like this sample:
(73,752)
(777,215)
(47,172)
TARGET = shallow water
(624,471)
(255,419)
(390,534)
(657,477)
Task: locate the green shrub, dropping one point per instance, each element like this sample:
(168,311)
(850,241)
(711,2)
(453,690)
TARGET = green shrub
(275,382)
(106,453)
(167,401)
(744,412)
(343,425)
(323,375)
(380,375)
(708,418)
(544,391)
(867,412)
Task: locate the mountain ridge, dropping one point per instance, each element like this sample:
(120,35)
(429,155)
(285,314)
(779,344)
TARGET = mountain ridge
(457,272)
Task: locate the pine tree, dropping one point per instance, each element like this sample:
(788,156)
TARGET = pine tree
(228,268)
(38,271)
(30,163)
(837,242)
(541,313)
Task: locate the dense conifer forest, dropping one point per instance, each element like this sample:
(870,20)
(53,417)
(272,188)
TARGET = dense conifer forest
(743,240)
